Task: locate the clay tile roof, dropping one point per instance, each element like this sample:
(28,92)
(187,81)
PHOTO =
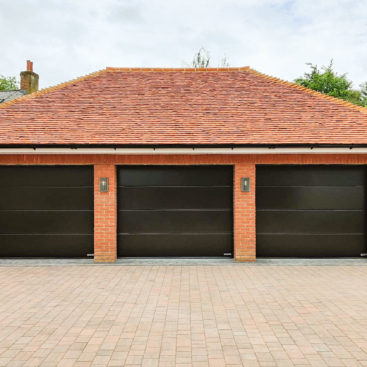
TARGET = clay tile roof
(154,106)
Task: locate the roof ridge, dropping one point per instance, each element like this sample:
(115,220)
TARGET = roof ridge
(147,69)
(308,90)
(51,89)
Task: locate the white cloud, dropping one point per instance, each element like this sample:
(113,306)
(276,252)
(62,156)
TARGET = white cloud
(69,38)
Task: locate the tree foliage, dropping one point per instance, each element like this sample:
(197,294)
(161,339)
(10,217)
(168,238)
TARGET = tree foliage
(202,59)
(8,83)
(224,63)
(328,81)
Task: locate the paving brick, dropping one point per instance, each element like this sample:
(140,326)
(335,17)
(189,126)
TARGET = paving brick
(196,315)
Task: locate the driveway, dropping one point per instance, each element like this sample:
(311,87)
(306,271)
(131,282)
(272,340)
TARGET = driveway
(220,315)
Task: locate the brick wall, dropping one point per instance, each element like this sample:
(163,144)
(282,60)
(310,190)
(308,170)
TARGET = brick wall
(105,222)
(105,215)
(92,159)
(244,214)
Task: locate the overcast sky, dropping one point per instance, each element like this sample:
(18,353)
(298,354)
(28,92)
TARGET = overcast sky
(69,38)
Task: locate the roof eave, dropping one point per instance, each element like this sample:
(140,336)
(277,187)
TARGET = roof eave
(166,150)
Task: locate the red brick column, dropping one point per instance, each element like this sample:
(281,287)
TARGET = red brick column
(105,215)
(244,215)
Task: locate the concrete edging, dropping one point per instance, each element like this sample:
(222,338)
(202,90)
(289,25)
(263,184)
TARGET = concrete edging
(184,262)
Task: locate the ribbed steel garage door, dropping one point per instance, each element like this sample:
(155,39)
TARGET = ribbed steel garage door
(310,211)
(175,211)
(46,211)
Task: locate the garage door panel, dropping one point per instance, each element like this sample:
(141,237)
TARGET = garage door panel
(46,211)
(46,245)
(293,245)
(43,176)
(321,221)
(174,176)
(173,245)
(174,221)
(310,197)
(310,211)
(309,176)
(47,198)
(175,197)
(175,210)
(23,222)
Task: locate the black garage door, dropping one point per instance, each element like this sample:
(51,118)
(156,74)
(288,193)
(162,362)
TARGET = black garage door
(175,211)
(310,211)
(46,211)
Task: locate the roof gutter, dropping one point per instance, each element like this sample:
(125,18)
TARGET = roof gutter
(186,150)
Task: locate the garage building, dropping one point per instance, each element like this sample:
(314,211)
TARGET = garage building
(182,163)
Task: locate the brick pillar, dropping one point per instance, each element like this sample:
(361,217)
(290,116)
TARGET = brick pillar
(244,214)
(105,215)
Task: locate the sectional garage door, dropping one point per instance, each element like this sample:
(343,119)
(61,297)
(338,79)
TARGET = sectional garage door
(310,211)
(175,211)
(46,211)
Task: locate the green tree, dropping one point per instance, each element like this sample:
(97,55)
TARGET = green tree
(328,81)
(363,87)
(356,97)
(8,83)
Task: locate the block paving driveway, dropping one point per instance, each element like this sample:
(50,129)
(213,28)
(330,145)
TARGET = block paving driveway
(221,315)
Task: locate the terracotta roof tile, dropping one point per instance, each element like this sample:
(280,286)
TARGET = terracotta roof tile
(180,106)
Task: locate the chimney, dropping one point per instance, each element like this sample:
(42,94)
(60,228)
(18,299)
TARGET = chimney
(29,79)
